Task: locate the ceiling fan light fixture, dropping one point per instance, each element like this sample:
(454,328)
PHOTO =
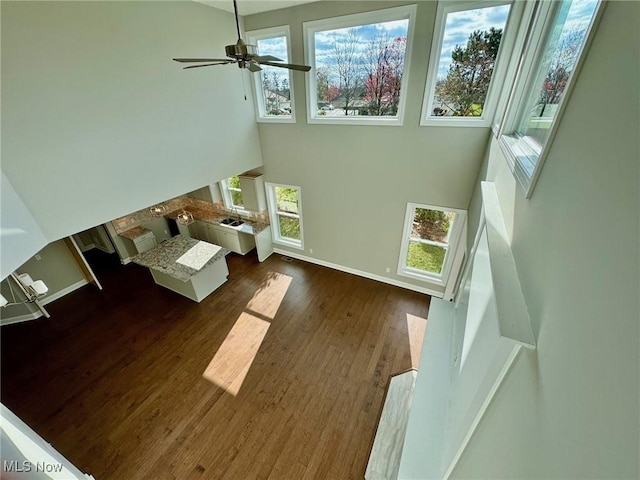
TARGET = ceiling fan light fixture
(246,56)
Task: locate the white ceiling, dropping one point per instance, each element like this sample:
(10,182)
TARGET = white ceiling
(249,7)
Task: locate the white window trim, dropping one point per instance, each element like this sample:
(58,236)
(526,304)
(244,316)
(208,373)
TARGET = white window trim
(513,66)
(273,216)
(453,254)
(521,152)
(498,77)
(227,199)
(253,37)
(366,18)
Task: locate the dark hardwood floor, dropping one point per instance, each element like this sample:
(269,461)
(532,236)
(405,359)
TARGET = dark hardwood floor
(114,379)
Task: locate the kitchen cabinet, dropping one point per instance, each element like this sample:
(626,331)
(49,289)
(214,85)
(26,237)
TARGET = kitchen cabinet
(145,242)
(264,244)
(184,230)
(234,240)
(226,237)
(212,234)
(198,230)
(253,194)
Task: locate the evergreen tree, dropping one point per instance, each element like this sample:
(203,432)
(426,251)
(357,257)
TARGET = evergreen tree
(464,90)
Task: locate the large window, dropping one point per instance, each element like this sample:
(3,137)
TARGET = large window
(273,86)
(285,213)
(429,243)
(232,193)
(468,58)
(359,73)
(547,70)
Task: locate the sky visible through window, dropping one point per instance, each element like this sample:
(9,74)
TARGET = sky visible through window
(359,69)
(459,25)
(561,55)
(278,48)
(325,41)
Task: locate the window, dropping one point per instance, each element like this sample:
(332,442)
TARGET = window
(547,70)
(232,193)
(358,70)
(273,86)
(466,67)
(429,243)
(285,214)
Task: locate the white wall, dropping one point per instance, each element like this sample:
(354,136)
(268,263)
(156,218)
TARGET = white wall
(570,409)
(56,267)
(98,121)
(20,235)
(357,180)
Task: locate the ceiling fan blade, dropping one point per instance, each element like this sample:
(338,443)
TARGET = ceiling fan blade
(254,67)
(292,66)
(267,58)
(207,65)
(202,60)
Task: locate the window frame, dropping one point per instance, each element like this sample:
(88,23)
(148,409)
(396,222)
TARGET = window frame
(496,86)
(253,37)
(519,150)
(227,198)
(354,20)
(274,216)
(452,248)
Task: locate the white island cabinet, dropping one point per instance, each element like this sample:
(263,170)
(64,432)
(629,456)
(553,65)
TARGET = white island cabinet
(186,266)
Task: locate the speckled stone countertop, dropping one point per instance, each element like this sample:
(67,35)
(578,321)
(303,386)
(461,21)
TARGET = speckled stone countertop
(134,232)
(163,257)
(252,228)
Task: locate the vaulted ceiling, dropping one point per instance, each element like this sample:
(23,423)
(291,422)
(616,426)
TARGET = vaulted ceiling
(249,7)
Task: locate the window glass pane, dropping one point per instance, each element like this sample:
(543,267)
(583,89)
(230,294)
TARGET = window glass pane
(287,200)
(359,69)
(233,185)
(236,198)
(276,90)
(470,44)
(289,227)
(432,225)
(428,258)
(558,60)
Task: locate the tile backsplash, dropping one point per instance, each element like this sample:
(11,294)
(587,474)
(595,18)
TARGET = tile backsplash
(144,216)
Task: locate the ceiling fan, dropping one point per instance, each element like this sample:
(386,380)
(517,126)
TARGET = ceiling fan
(246,56)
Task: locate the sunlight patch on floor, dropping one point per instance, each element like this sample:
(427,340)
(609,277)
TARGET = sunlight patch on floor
(415,327)
(231,363)
(267,299)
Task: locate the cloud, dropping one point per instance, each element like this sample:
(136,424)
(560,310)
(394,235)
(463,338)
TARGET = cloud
(459,25)
(579,16)
(326,40)
(273,46)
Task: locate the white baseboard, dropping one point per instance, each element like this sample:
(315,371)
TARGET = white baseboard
(125,261)
(86,248)
(20,318)
(65,291)
(360,273)
(44,301)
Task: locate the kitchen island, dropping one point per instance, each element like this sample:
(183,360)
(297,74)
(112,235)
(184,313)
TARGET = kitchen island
(190,267)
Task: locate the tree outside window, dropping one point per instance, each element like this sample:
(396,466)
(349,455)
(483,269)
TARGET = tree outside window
(431,237)
(233,185)
(288,214)
(471,41)
(359,64)
(463,92)
(285,214)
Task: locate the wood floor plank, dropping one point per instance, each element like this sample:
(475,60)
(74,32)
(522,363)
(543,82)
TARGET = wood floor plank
(117,379)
